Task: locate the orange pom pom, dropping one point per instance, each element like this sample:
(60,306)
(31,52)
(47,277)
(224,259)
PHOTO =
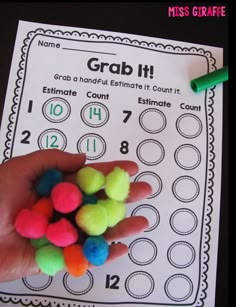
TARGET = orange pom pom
(75,261)
(45,206)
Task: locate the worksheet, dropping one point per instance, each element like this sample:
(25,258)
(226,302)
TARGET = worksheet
(118,96)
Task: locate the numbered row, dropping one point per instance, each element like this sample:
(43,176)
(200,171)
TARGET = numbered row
(96,114)
(177,287)
(150,152)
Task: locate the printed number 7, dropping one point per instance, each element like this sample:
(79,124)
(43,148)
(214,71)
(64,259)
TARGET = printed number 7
(127,116)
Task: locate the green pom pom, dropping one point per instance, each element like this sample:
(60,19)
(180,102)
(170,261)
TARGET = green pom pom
(116,210)
(117,184)
(50,259)
(92,219)
(90,180)
(37,243)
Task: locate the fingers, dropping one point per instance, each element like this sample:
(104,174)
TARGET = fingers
(138,191)
(106,167)
(35,163)
(128,227)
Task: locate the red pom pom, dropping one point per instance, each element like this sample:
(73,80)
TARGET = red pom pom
(66,197)
(45,206)
(31,224)
(62,233)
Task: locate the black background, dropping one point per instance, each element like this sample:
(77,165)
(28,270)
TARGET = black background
(142,18)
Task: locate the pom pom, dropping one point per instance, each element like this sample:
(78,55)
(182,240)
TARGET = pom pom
(89,199)
(96,250)
(50,259)
(31,224)
(48,180)
(62,233)
(90,180)
(116,210)
(66,197)
(117,184)
(75,261)
(92,219)
(37,243)
(45,206)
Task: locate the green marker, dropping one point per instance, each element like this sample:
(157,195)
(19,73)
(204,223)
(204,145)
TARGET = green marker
(209,80)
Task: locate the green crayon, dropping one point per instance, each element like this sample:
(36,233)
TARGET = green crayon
(206,81)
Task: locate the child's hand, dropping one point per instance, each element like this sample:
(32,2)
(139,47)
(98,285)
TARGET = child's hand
(17,190)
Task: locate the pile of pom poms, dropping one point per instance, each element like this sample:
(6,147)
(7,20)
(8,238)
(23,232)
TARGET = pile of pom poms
(67,223)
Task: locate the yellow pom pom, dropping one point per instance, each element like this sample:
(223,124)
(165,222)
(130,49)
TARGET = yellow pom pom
(117,184)
(116,210)
(90,180)
(92,219)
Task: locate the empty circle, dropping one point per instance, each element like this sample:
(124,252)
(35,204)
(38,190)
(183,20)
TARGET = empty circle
(152,120)
(183,221)
(150,152)
(189,125)
(151,213)
(185,188)
(178,287)
(181,254)
(139,284)
(37,283)
(78,286)
(187,156)
(136,253)
(153,179)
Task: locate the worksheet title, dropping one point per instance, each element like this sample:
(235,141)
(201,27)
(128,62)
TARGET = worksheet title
(123,68)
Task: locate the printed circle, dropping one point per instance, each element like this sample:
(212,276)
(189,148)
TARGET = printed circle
(79,286)
(36,283)
(93,145)
(95,114)
(189,125)
(178,287)
(152,120)
(153,179)
(151,213)
(185,188)
(183,221)
(181,254)
(52,139)
(136,253)
(139,284)
(150,152)
(187,156)
(56,110)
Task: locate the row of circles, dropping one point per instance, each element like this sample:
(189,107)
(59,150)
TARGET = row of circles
(150,152)
(176,219)
(96,114)
(178,287)
(185,188)
(180,254)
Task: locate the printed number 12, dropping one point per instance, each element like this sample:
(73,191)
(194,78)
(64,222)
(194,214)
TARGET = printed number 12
(113,285)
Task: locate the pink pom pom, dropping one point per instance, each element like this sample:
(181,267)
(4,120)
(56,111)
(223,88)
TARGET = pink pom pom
(66,197)
(62,233)
(31,224)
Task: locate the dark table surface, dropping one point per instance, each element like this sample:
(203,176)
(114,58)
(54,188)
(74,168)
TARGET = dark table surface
(142,18)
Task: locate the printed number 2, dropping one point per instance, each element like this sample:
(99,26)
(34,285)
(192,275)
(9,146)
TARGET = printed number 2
(26,134)
(112,285)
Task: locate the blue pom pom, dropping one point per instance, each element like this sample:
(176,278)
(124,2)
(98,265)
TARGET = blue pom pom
(48,180)
(96,250)
(89,199)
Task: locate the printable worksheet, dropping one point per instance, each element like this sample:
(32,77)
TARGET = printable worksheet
(118,96)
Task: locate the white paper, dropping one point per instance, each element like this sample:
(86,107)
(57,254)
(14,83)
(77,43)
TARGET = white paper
(122,96)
